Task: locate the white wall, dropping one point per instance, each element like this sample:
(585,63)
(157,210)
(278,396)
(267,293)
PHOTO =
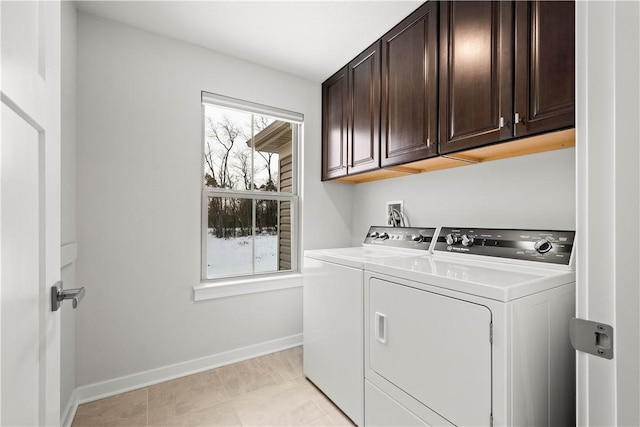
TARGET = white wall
(138,208)
(68,197)
(533,191)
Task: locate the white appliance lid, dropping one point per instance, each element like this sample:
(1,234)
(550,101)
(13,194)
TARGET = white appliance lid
(496,281)
(356,256)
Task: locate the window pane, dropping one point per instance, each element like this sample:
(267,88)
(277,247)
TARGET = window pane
(229,237)
(250,153)
(273,236)
(272,156)
(266,235)
(227,148)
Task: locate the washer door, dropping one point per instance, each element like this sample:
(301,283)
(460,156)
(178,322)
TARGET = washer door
(437,349)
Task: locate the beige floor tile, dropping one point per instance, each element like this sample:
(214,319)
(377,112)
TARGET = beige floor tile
(287,363)
(184,395)
(326,421)
(339,419)
(335,416)
(248,376)
(324,403)
(127,409)
(269,390)
(219,415)
(283,404)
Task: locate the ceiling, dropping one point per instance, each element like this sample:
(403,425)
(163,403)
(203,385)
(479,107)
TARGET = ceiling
(309,39)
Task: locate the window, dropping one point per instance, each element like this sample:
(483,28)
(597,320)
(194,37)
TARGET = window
(249,188)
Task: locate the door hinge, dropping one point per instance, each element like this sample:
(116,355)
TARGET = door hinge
(592,337)
(491,333)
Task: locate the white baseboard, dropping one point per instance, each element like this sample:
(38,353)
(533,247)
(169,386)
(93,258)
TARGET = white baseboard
(70,411)
(91,392)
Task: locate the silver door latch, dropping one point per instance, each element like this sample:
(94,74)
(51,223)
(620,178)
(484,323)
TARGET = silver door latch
(592,337)
(58,295)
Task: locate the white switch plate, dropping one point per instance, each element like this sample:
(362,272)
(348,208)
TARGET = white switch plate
(395,212)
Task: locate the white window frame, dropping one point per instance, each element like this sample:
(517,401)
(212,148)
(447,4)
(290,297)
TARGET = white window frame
(296,119)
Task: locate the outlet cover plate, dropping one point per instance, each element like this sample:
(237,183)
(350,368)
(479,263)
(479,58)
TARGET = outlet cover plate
(395,213)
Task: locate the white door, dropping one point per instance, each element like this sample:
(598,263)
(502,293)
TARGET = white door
(29,212)
(608,206)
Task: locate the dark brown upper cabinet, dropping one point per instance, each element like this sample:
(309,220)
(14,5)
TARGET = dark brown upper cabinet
(335,95)
(545,66)
(476,86)
(351,117)
(364,112)
(454,76)
(410,88)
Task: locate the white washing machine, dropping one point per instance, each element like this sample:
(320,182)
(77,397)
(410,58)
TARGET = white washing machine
(333,311)
(476,334)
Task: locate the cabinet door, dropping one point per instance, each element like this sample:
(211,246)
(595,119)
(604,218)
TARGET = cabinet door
(334,125)
(545,66)
(364,114)
(410,88)
(476,92)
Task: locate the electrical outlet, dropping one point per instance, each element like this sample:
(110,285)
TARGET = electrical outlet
(395,214)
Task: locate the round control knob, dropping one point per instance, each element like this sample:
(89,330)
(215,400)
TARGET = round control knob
(418,238)
(542,246)
(374,235)
(467,240)
(384,236)
(451,239)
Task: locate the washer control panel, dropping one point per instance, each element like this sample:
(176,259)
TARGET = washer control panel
(401,237)
(546,246)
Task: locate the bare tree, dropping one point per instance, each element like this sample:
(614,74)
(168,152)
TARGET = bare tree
(210,171)
(243,166)
(225,133)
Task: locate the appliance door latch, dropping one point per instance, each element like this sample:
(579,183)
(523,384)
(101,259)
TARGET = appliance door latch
(592,337)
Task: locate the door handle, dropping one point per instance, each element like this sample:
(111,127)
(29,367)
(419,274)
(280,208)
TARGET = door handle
(58,294)
(381,327)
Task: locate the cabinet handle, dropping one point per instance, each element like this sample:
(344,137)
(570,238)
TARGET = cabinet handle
(516,118)
(501,123)
(381,327)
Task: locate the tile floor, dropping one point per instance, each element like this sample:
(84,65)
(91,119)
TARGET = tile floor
(266,391)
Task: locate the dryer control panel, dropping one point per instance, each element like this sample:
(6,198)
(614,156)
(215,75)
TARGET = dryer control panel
(545,246)
(400,237)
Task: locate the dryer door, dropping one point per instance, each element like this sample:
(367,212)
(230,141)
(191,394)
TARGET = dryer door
(435,348)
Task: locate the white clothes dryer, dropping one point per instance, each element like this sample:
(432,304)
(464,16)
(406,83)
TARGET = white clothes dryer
(476,334)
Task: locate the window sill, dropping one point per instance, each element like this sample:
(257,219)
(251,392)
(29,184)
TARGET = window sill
(234,287)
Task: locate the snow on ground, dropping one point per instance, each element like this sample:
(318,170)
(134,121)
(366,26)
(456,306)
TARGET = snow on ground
(232,256)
